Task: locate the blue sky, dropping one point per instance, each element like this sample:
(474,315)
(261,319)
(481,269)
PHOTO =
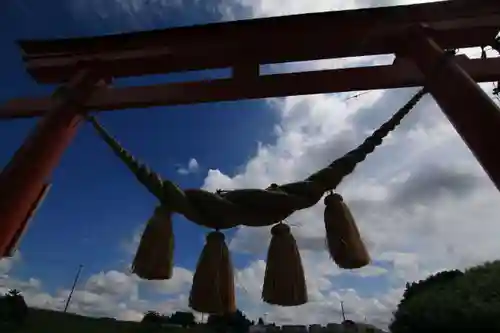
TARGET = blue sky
(95,204)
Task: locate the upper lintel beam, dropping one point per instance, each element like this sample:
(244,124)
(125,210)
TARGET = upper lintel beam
(304,37)
(400,74)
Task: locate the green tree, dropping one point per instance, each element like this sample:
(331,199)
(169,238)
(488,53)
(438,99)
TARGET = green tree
(185,319)
(451,301)
(13,307)
(237,321)
(152,317)
(13,293)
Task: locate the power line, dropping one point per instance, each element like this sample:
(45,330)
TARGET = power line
(357,95)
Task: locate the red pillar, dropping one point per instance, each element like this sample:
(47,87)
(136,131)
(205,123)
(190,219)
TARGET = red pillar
(12,247)
(27,172)
(470,110)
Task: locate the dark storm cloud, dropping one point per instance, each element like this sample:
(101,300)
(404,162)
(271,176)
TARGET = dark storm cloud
(430,182)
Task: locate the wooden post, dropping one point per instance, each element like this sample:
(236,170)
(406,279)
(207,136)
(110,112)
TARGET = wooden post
(470,110)
(29,168)
(16,239)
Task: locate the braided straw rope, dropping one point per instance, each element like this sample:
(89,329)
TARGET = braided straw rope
(254,207)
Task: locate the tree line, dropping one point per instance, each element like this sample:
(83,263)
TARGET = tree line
(236,321)
(13,309)
(451,301)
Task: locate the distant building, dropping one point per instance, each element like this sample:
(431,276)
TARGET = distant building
(334,328)
(316,328)
(349,326)
(273,329)
(257,329)
(294,329)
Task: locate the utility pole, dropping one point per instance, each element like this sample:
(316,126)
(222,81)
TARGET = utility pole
(342,307)
(73,287)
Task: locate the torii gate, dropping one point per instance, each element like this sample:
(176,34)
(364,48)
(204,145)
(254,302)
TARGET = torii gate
(417,34)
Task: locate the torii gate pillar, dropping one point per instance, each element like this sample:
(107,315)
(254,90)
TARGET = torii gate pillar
(470,110)
(24,177)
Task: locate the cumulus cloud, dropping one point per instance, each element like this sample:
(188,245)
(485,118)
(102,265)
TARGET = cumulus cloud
(113,283)
(192,167)
(179,283)
(8,282)
(421,200)
(114,294)
(6,263)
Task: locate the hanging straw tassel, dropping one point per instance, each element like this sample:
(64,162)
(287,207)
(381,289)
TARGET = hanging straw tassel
(342,235)
(284,280)
(213,282)
(155,256)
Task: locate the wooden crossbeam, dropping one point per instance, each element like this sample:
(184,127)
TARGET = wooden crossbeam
(455,24)
(399,74)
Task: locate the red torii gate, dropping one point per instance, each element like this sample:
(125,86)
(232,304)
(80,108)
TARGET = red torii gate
(417,34)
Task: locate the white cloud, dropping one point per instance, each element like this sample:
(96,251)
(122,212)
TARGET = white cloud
(238,9)
(180,282)
(136,14)
(193,164)
(421,200)
(6,263)
(130,315)
(113,283)
(106,294)
(419,215)
(192,167)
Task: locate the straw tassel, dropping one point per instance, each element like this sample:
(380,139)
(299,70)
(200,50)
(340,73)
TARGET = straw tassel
(213,282)
(155,256)
(284,280)
(342,235)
